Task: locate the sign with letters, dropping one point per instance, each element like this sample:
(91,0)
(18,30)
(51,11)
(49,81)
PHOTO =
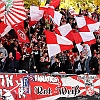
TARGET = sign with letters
(49,87)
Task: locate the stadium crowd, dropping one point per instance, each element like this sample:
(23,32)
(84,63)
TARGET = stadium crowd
(16,57)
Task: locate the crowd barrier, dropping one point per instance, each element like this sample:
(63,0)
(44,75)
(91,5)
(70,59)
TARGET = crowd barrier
(49,86)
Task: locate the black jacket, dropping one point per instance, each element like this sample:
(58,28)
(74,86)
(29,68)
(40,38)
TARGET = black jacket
(24,64)
(55,67)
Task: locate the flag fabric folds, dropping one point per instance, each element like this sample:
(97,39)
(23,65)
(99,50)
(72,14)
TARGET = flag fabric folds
(56,16)
(77,37)
(54,3)
(21,33)
(4,29)
(88,37)
(14,12)
(57,43)
(2,11)
(35,13)
(87,24)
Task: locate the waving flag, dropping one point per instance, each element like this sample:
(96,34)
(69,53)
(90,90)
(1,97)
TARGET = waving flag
(13,11)
(66,31)
(57,18)
(4,29)
(49,10)
(54,3)
(2,10)
(35,13)
(57,43)
(21,33)
(86,24)
(77,37)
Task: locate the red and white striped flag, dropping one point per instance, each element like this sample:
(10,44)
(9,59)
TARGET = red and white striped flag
(57,43)
(35,13)
(13,11)
(86,24)
(77,37)
(2,11)
(56,16)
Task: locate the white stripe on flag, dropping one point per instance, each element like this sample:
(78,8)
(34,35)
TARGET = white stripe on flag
(6,30)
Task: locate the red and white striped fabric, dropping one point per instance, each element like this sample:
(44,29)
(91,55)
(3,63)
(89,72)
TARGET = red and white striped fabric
(14,11)
(72,12)
(66,31)
(63,30)
(57,43)
(87,24)
(77,37)
(56,16)
(88,37)
(2,10)
(35,13)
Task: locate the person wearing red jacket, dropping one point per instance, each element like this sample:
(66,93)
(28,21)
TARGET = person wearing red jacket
(17,57)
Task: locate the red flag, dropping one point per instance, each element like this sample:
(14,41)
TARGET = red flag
(21,33)
(35,13)
(77,37)
(86,24)
(2,11)
(74,36)
(31,23)
(48,10)
(57,44)
(54,3)
(16,11)
(4,29)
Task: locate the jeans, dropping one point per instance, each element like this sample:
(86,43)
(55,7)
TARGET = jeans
(16,63)
(87,64)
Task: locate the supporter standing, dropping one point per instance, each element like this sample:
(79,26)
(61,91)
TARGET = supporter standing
(1,62)
(44,63)
(95,15)
(36,54)
(55,66)
(63,57)
(17,57)
(94,64)
(24,64)
(2,49)
(10,63)
(86,54)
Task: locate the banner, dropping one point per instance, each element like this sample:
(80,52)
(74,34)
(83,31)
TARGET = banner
(49,87)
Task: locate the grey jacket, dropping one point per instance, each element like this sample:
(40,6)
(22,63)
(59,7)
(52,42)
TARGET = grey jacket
(5,53)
